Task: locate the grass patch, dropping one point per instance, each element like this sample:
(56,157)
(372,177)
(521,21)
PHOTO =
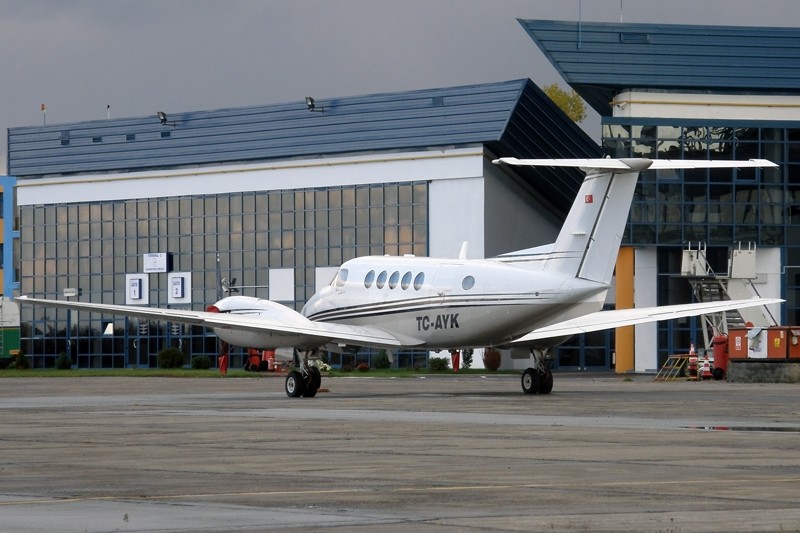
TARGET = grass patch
(124,373)
(214,373)
(411,372)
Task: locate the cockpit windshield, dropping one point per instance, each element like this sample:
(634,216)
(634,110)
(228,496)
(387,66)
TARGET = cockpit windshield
(340,279)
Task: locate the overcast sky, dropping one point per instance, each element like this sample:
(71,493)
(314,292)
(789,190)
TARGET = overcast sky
(141,56)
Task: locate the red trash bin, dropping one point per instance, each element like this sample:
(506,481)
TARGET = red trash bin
(720,347)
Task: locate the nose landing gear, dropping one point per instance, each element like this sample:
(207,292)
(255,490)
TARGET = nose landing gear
(304,380)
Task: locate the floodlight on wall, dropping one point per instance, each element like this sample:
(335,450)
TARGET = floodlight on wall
(312,106)
(162,117)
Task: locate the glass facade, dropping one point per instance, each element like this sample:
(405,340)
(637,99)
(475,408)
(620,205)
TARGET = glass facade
(718,207)
(91,246)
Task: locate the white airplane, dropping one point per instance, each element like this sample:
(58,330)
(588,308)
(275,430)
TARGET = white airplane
(529,300)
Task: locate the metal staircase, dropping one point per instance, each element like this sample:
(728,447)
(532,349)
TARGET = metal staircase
(737,283)
(714,289)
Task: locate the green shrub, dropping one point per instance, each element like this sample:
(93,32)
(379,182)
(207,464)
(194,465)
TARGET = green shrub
(438,364)
(381,360)
(63,362)
(201,362)
(171,358)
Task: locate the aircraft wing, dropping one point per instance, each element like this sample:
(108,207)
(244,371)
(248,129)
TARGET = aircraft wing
(288,323)
(601,320)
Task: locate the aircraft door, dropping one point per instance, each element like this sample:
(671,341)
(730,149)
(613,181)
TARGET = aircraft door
(445,278)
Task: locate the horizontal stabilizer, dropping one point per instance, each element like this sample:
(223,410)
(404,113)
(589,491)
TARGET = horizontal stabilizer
(633,164)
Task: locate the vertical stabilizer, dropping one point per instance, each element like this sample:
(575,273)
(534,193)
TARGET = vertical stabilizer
(588,243)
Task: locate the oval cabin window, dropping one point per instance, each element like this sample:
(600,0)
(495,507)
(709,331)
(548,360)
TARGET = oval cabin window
(468,283)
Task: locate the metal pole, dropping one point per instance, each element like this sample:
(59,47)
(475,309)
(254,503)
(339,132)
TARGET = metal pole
(69,335)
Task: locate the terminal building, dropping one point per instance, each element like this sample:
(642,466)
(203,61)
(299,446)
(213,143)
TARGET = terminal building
(269,200)
(693,92)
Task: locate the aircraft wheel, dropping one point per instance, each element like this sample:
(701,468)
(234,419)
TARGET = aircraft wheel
(314,381)
(295,386)
(316,377)
(530,381)
(546,382)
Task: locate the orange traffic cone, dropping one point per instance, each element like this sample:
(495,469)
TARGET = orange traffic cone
(706,371)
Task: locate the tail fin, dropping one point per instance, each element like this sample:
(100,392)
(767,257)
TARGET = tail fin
(589,241)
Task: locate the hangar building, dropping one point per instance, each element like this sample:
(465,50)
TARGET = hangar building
(274,197)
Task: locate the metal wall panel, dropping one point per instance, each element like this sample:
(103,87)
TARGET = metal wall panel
(513,118)
(406,120)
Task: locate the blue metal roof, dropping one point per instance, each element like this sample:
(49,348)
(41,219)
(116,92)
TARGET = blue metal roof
(512,118)
(598,59)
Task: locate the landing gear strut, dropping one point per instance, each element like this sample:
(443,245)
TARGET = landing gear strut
(304,380)
(539,377)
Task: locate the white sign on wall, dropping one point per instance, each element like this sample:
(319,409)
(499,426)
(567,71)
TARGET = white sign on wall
(180,288)
(156,262)
(137,289)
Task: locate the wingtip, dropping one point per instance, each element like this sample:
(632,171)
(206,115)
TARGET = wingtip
(764,163)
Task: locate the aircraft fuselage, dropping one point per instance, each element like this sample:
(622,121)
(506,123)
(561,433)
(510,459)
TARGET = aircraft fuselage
(438,303)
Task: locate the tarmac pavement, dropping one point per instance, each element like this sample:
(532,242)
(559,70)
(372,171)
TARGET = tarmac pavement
(444,453)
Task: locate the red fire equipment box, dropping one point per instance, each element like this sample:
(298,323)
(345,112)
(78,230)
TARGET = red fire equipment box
(777,343)
(737,343)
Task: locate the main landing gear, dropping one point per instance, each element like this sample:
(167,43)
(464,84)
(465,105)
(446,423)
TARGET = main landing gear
(539,377)
(303,380)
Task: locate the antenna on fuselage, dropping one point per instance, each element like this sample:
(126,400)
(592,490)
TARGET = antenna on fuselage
(463,253)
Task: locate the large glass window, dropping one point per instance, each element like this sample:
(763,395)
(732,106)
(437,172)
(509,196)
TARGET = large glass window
(719,207)
(92,247)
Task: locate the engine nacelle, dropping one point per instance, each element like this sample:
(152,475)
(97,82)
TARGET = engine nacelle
(267,313)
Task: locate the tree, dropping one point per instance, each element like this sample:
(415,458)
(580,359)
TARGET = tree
(466,358)
(569,102)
